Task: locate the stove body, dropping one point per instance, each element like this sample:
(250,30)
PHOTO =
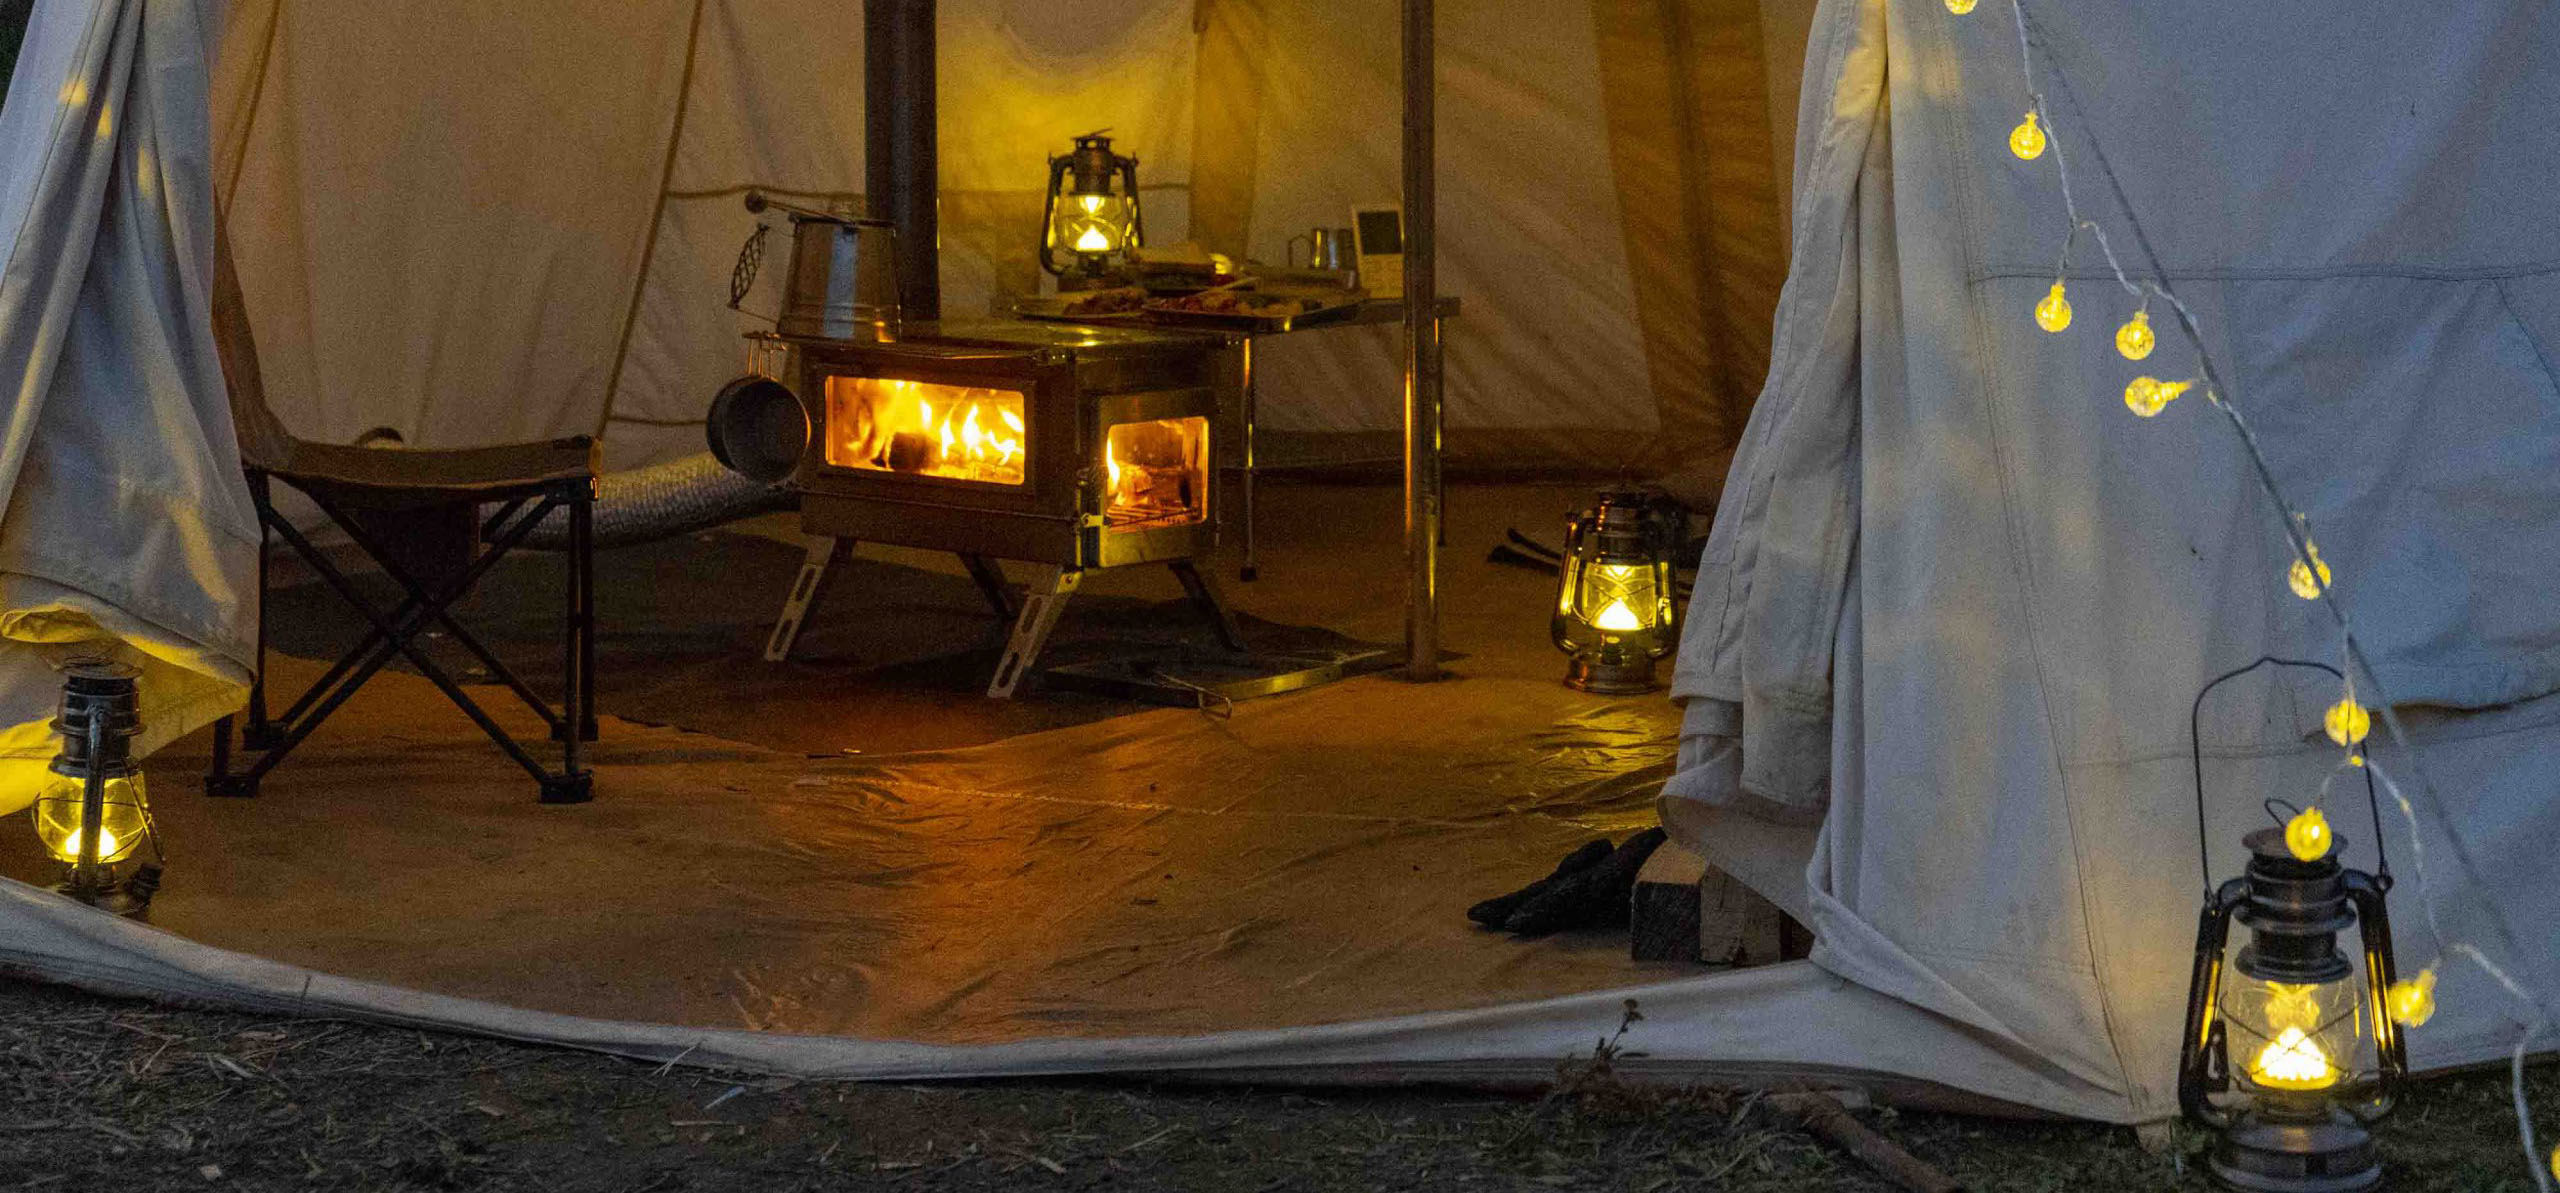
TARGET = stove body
(1069,446)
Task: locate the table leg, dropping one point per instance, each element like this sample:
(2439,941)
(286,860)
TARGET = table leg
(1250,571)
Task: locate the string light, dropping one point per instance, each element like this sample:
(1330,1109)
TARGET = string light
(2412,1001)
(2305,583)
(2348,722)
(2307,835)
(2134,339)
(2054,313)
(2148,396)
(2027,140)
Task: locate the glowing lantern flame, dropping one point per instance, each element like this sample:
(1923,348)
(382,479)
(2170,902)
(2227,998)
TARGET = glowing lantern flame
(109,845)
(2293,1060)
(1093,241)
(1618,617)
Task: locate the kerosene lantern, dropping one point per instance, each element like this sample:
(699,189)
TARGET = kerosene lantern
(1091,220)
(2316,1037)
(1615,612)
(91,812)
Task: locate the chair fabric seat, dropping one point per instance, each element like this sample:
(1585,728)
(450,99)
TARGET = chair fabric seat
(400,477)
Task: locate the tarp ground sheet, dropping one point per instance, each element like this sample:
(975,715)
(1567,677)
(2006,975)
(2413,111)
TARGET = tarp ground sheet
(1077,899)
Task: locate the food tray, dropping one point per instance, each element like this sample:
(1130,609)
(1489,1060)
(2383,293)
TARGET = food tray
(1250,324)
(1063,317)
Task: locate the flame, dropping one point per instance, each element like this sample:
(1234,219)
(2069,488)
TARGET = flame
(2293,1060)
(109,845)
(1111,461)
(1618,617)
(1093,241)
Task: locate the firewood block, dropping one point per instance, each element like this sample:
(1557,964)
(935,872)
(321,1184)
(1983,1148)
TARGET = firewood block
(1663,923)
(1735,925)
(1687,910)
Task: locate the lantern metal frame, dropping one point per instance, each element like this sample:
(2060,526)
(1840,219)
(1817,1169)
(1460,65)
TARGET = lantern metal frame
(1628,527)
(2284,1140)
(1093,167)
(98,718)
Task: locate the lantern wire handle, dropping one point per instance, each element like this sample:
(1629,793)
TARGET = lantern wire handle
(2195,755)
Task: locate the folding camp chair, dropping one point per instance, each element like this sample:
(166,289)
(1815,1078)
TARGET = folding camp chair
(397,504)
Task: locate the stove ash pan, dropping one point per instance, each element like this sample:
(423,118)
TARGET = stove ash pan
(1076,447)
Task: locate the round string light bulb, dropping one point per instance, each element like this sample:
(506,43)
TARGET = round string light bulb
(2027,140)
(1960,7)
(2348,722)
(2307,835)
(2134,339)
(2412,1001)
(2308,580)
(2148,396)
(2054,313)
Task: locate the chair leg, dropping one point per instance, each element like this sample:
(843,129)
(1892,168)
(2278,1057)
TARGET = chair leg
(260,733)
(220,781)
(578,687)
(575,784)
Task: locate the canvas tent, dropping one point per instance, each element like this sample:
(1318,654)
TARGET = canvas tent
(1608,205)
(127,530)
(1946,633)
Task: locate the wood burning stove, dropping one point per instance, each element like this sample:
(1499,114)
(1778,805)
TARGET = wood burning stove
(1066,447)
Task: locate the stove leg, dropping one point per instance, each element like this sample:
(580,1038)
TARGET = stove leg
(990,578)
(1204,597)
(1041,604)
(806,590)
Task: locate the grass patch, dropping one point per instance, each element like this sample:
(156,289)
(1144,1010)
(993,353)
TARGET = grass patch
(98,1093)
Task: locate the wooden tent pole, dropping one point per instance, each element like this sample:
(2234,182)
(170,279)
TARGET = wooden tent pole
(1421,356)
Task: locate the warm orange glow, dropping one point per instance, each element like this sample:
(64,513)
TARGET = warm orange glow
(1156,473)
(1618,617)
(918,427)
(2293,1060)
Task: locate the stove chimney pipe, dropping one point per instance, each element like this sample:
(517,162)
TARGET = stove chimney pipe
(899,155)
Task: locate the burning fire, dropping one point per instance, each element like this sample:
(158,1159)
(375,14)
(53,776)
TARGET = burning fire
(935,430)
(1155,473)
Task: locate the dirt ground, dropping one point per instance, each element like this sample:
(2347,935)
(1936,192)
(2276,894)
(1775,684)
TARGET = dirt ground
(104,1094)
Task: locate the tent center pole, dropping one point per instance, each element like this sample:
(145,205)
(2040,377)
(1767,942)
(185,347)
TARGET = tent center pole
(1422,491)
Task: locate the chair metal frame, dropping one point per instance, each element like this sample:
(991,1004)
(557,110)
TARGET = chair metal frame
(426,606)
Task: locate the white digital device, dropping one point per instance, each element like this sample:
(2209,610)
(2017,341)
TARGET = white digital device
(1377,231)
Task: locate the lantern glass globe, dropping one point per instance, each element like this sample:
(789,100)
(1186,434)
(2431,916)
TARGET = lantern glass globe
(122,821)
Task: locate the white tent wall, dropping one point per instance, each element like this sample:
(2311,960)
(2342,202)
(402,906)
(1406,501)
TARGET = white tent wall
(437,216)
(1960,600)
(521,220)
(128,531)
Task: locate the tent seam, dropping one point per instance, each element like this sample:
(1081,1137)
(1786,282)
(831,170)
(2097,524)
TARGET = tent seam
(2288,273)
(1960,150)
(657,219)
(2541,351)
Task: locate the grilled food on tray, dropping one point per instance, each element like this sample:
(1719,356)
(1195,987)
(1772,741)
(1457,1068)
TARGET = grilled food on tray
(1120,300)
(1246,304)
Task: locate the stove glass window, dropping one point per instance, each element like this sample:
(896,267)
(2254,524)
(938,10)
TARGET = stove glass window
(1158,472)
(885,424)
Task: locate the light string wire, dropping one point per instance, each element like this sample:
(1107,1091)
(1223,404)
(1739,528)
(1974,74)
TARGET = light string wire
(2297,529)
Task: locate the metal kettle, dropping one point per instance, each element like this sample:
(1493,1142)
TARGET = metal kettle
(843,283)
